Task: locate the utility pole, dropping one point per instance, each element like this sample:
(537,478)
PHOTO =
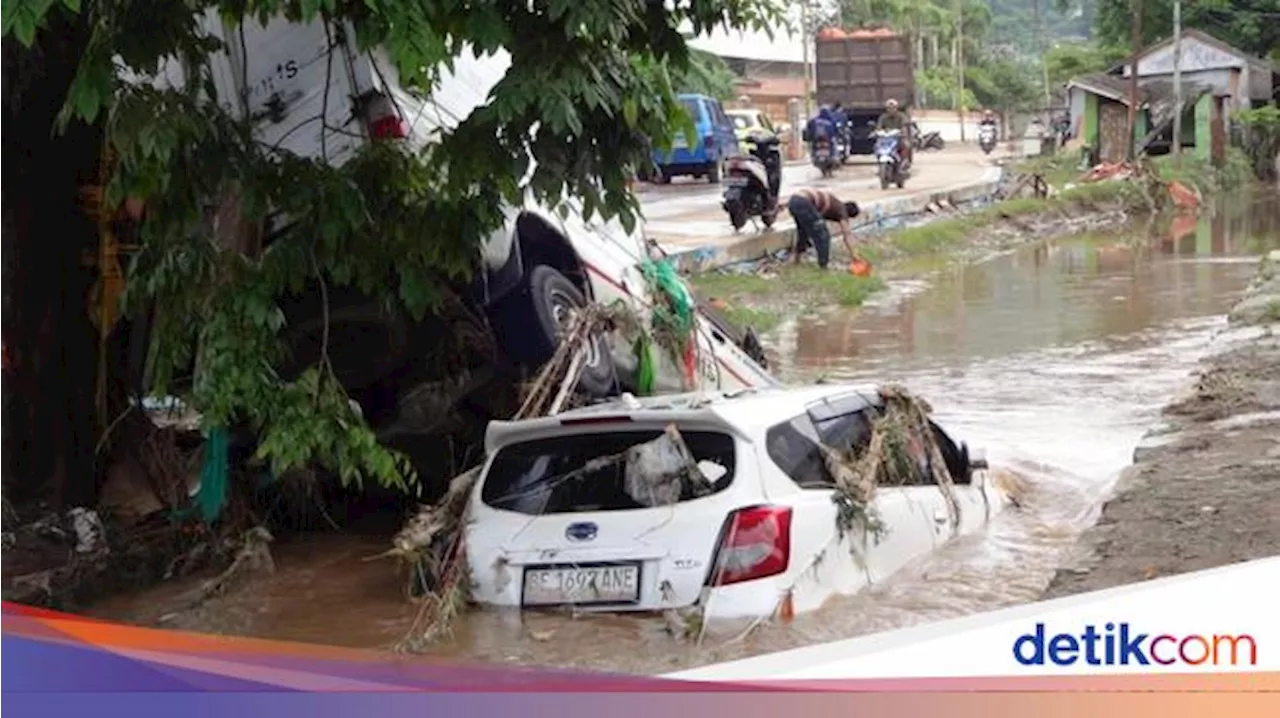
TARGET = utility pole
(960,64)
(1177,82)
(808,67)
(1044,66)
(1133,78)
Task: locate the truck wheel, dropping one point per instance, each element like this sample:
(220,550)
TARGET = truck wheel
(531,323)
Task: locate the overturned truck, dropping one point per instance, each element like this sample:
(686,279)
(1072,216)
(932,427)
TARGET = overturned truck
(413,377)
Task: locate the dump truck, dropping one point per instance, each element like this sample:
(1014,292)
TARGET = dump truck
(862,69)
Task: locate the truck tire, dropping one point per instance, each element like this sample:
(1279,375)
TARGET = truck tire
(530,324)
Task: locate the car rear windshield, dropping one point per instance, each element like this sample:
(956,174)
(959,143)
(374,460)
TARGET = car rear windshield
(551,476)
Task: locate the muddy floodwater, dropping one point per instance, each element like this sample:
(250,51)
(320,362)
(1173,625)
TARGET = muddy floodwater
(1054,358)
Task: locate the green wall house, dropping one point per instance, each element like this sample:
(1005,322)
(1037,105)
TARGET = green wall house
(1203,126)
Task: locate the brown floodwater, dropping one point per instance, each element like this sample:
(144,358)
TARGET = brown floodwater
(1054,358)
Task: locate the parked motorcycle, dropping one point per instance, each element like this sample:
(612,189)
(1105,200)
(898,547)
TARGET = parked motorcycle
(889,158)
(987,138)
(931,140)
(753,181)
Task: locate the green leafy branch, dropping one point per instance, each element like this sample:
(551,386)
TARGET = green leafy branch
(586,97)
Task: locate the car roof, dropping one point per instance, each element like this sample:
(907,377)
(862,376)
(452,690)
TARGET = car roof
(750,411)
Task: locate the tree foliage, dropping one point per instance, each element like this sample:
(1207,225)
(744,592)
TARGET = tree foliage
(588,82)
(1250,25)
(706,74)
(1068,60)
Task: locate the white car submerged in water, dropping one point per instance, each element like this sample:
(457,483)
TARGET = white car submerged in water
(582,510)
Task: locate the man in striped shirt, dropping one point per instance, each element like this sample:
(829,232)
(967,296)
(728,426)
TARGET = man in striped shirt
(812,209)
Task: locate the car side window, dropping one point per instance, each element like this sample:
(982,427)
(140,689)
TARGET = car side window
(793,445)
(721,119)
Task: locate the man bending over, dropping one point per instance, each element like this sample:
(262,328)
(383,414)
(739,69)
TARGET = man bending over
(812,209)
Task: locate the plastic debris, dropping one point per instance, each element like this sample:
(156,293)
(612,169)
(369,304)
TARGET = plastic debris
(90,534)
(658,471)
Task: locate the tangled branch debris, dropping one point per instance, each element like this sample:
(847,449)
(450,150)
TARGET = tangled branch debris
(430,544)
(902,443)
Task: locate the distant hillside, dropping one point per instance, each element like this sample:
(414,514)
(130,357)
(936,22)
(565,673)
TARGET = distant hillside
(1013,22)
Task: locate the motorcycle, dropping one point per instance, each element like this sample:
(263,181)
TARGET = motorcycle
(753,182)
(889,158)
(931,140)
(987,138)
(823,154)
(844,140)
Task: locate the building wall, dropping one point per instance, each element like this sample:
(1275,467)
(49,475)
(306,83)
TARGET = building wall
(1089,129)
(1196,56)
(1076,106)
(769,86)
(1225,81)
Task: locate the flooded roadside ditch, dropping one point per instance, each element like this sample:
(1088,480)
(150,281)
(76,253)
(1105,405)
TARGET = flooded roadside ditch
(1054,357)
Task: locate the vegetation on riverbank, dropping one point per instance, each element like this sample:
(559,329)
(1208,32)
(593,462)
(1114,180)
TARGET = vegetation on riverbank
(761,298)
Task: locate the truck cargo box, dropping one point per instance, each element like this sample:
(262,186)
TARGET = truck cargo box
(863,68)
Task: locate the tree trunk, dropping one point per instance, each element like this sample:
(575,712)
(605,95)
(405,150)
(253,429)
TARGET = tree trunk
(50,429)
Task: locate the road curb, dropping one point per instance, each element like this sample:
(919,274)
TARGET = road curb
(878,216)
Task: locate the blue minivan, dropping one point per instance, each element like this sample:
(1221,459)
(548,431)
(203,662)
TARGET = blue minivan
(704,156)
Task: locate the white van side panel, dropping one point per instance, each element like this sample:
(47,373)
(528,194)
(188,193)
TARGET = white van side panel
(299,83)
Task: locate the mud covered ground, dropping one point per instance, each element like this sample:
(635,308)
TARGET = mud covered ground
(1204,489)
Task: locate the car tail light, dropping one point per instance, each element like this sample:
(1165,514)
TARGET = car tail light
(709,141)
(756,544)
(384,120)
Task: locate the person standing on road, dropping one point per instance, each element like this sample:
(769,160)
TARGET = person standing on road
(812,209)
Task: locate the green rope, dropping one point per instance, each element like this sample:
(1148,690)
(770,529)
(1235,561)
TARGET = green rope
(673,313)
(646,372)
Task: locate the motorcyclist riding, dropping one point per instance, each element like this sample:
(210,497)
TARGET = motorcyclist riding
(821,127)
(892,118)
(988,118)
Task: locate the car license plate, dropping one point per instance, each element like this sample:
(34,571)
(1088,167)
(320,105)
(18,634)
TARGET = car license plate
(612,583)
(736,181)
(679,143)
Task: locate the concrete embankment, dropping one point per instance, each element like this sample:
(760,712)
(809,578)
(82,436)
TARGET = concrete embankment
(1204,488)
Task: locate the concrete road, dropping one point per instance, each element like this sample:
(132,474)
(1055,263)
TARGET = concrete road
(687,212)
